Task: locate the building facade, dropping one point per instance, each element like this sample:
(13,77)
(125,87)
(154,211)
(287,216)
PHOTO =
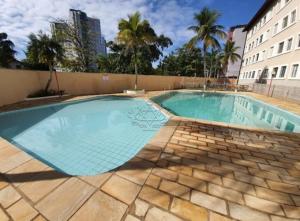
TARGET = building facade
(237,35)
(272,50)
(89,30)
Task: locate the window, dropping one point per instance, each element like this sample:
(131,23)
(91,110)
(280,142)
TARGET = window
(275,28)
(295,70)
(264,55)
(289,44)
(282,71)
(285,22)
(257,57)
(293,16)
(299,41)
(253,74)
(274,73)
(261,39)
(264,19)
(280,47)
(271,51)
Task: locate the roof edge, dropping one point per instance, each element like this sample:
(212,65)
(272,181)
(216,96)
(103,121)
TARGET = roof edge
(259,13)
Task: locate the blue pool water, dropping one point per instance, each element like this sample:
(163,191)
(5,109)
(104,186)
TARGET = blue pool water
(86,137)
(229,108)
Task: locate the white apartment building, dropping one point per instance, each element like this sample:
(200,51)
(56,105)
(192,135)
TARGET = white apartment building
(272,47)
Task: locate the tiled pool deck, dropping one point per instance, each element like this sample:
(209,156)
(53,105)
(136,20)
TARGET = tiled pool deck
(189,171)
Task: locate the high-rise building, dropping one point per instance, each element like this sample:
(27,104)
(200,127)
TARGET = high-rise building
(238,36)
(272,52)
(89,33)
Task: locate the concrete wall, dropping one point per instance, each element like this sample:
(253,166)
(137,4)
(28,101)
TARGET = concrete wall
(16,85)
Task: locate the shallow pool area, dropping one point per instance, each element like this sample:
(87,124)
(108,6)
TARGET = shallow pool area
(85,137)
(233,109)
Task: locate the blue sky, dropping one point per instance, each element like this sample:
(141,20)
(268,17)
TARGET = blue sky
(19,18)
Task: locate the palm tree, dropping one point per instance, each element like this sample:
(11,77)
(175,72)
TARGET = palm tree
(49,52)
(229,54)
(135,34)
(7,53)
(207,32)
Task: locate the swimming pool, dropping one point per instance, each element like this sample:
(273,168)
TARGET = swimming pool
(229,108)
(84,137)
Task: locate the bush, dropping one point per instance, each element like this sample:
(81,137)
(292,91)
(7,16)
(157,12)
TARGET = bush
(43,93)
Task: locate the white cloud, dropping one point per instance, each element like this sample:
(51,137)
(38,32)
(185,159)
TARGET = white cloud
(19,18)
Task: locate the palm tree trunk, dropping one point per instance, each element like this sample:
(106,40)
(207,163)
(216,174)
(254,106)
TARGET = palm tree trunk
(50,78)
(135,71)
(204,67)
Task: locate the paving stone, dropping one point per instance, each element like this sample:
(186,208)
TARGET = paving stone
(296,200)
(28,169)
(156,214)
(122,189)
(250,179)
(155,197)
(153,181)
(283,187)
(136,170)
(140,208)
(239,186)
(263,205)
(68,198)
(225,193)
(40,185)
(210,177)
(292,211)
(3,216)
(273,195)
(149,153)
(217,217)
(193,164)
(14,161)
(209,202)
(39,218)
(193,183)
(188,211)
(175,189)
(280,218)
(96,180)
(22,211)
(246,214)
(3,182)
(180,169)
(100,207)
(131,218)
(164,173)
(8,196)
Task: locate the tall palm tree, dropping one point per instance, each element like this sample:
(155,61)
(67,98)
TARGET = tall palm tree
(7,52)
(135,34)
(207,32)
(49,52)
(229,54)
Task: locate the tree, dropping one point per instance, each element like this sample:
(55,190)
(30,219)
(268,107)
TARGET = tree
(229,54)
(135,34)
(32,60)
(46,51)
(183,61)
(7,52)
(207,32)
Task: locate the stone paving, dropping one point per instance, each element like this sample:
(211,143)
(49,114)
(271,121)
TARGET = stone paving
(188,171)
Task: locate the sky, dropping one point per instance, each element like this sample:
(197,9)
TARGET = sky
(19,18)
